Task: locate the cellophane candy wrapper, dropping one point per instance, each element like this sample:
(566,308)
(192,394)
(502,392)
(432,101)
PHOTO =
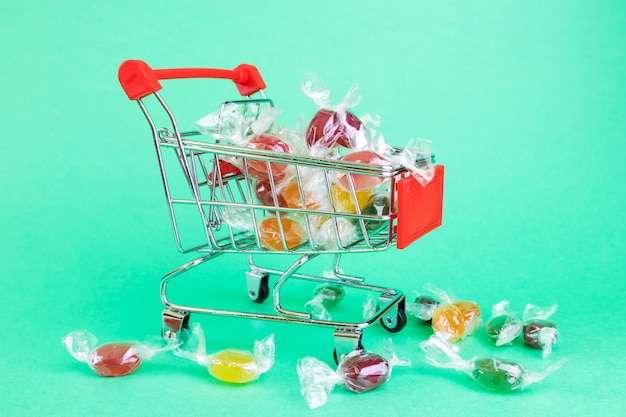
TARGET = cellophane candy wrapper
(494,374)
(359,371)
(326,297)
(504,326)
(333,133)
(423,306)
(371,306)
(113,359)
(332,125)
(455,319)
(539,331)
(230,365)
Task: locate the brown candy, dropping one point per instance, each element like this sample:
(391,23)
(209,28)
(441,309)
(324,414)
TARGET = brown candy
(532,330)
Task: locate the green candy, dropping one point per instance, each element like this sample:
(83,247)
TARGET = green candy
(499,375)
(377,205)
(330,295)
(504,329)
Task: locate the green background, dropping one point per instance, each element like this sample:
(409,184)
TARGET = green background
(525,105)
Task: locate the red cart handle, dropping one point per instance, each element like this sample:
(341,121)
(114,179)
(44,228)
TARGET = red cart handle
(138,79)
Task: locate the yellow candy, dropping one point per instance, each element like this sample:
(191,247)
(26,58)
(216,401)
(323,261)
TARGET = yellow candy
(344,202)
(234,366)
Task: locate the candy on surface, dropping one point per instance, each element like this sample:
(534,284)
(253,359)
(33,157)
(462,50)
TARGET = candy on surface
(257,168)
(423,308)
(330,294)
(229,365)
(455,319)
(359,372)
(499,375)
(111,359)
(363,371)
(328,128)
(343,200)
(270,237)
(491,373)
(327,296)
(471,315)
(539,332)
(115,359)
(449,320)
(504,326)
(362,181)
(234,366)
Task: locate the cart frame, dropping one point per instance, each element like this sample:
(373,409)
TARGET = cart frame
(217,190)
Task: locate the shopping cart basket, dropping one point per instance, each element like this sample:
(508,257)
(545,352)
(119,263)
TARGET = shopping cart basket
(216,187)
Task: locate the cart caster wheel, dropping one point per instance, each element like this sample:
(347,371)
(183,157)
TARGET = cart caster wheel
(258,286)
(335,356)
(175,326)
(394,326)
(264,291)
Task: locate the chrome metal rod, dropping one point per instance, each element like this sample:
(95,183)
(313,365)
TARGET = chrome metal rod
(281,281)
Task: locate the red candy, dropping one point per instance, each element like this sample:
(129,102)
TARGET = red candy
(263,193)
(362,182)
(115,359)
(362,371)
(258,169)
(327,130)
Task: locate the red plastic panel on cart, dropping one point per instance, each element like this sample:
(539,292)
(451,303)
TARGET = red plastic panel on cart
(419,207)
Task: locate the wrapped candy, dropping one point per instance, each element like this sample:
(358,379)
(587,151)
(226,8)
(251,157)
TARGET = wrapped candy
(359,371)
(362,182)
(378,204)
(332,125)
(371,306)
(270,233)
(504,326)
(327,296)
(230,365)
(334,231)
(259,169)
(454,319)
(112,359)
(494,374)
(539,332)
(423,307)
(289,191)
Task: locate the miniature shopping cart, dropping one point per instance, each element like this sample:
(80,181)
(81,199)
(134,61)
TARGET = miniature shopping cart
(215,187)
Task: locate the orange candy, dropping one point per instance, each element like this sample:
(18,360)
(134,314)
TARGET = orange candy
(344,201)
(457,320)
(471,315)
(291,195)
(269,233)
(449,320)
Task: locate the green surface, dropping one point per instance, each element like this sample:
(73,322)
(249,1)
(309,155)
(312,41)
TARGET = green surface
(525,104)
